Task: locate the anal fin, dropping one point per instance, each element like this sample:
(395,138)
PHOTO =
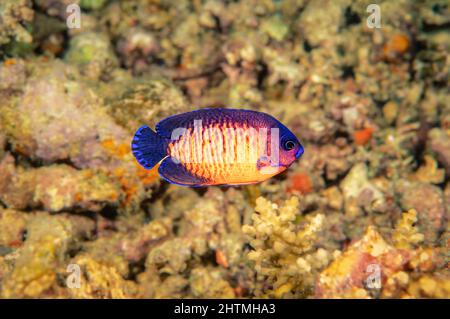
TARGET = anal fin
(176,173)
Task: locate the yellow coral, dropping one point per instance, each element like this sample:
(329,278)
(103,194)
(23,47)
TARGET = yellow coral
(406,234)
(430,286)
(284,254)
(208,283)
(101,281)
(12,224)
(429,172)
(34,272)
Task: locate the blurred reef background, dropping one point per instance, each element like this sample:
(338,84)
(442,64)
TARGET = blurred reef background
(370,196)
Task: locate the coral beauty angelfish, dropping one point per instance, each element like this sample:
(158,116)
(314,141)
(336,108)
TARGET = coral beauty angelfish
(217,146)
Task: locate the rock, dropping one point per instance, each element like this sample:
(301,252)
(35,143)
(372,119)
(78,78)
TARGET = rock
(92,4)
(12,225)
(358,191)
(439,143)
(275,28)
(429,203)
(55,8)
(58,187)
(35,270)
(93,52)
(435,286)
(12,74)
(136,49)
(147,101)
(349,276)
(2,144)
(68,119)
(319,26)
(209,283)
(15,13)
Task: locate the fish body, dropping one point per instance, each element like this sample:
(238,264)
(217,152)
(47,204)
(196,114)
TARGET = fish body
(217,147)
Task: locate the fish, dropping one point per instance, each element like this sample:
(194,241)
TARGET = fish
(217,146)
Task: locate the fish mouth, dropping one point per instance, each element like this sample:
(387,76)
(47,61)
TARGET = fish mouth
(299,152)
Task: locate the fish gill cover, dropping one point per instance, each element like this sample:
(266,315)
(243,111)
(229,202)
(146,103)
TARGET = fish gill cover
(363,85)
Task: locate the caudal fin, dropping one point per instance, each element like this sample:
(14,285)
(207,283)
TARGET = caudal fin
(148,147)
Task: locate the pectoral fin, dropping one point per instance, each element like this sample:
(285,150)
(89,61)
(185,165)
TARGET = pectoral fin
(264,166)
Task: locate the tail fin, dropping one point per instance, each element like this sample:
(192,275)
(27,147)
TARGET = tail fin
(148,147)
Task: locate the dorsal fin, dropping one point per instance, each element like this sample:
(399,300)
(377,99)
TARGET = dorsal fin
(213,115)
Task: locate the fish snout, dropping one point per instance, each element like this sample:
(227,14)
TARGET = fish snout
(299,152)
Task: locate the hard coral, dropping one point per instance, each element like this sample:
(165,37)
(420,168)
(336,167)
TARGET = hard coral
(406,234)
(284,254)
(100,281)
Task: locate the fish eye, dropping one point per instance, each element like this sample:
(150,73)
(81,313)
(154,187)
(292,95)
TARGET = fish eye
(289,145)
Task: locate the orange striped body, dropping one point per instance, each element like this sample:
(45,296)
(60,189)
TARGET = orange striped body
(224,152)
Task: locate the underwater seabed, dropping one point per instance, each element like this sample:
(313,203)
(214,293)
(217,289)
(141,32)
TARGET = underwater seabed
(364,213)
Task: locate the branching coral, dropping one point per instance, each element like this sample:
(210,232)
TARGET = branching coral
(101,281)
(284,250)
(406,234)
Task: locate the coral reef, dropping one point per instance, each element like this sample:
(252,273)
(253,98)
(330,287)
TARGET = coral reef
(285,254)
(365,213)
(371,267)
(15,15)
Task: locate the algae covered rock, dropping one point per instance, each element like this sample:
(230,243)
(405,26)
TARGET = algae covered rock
(430,205)
(60,187)
(57,105)
(209,284)
(71,124)
(12,75)
(93,52)
(439,144)
(13,225)
(147,101)
(372,268)
(14,16)
(36,268)
(92,4)
(349,275)
(319,26)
